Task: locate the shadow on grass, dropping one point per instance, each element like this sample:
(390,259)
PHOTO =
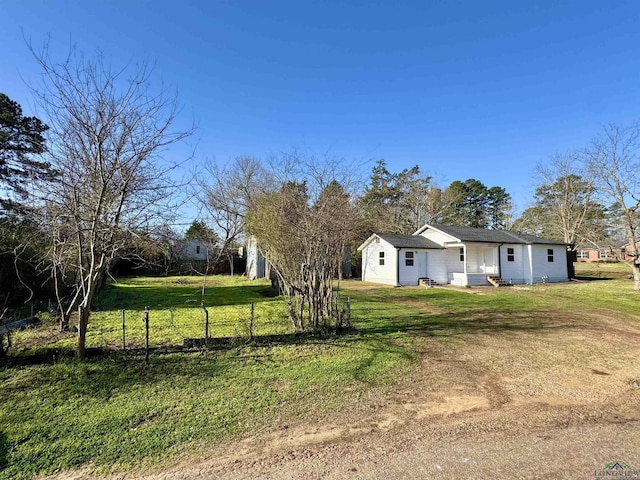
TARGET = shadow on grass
(101,376)
(485,321)
(119,297)
(4,450)
(592,279)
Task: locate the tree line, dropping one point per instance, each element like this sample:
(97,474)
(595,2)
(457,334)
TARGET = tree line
(92,185)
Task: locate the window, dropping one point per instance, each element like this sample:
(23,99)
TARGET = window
(462,254)
(408,259)
(511,256)
(198,249)
(604,254)
(381,258)
(550,254)
(582,254)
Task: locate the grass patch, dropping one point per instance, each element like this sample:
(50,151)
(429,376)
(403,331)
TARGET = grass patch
(597,270)
(119,413)
(175,313)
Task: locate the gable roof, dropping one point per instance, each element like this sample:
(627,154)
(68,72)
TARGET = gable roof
(403,241)
(408,241)
(469,234)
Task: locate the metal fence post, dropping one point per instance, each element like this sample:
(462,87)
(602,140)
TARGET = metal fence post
(206,324)
(146,332)
(251,320)
(124,342)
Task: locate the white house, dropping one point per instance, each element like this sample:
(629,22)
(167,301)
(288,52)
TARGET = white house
(194,249)
(462,256)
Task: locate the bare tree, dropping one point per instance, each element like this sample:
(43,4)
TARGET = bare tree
(565,206)
(614,163)
(108,131)
(305,224)
(223,194)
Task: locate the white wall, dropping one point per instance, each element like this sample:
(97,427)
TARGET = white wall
(441,263)
(372,271)
(188,250)
(518,270)
(255,261)
(438,237)
(409,274)
(556,270)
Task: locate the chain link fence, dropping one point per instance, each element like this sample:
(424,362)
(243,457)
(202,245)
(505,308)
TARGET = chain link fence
(156,327)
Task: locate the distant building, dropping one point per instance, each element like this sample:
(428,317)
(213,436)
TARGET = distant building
(256,263)
(604,254)
(194,250)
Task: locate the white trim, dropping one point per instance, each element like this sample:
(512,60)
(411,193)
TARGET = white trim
(427,226)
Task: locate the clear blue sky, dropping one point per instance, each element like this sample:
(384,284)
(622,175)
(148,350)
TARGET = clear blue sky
(465,89)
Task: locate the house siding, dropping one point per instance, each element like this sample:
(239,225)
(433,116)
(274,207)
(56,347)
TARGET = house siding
(438,237)
(372,271)
(438,265)
(556,271)
(518,270)
(409,275)
(193,250)
(256,264)
(482,258)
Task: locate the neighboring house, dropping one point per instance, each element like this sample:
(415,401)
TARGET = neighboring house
(462,256)
(608,254)
(194,250)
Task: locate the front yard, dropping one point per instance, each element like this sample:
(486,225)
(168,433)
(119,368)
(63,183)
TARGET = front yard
(574,343)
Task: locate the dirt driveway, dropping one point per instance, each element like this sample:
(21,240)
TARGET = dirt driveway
(561,402)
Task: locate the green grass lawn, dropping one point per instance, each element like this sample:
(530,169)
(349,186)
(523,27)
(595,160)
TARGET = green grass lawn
(602,269)
(118,413)
(175,313)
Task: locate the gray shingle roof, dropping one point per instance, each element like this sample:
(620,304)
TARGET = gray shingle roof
(408,241)
(468,234)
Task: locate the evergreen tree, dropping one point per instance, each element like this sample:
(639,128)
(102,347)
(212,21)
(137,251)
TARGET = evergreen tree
(472,204)
(198,230)
(21,140)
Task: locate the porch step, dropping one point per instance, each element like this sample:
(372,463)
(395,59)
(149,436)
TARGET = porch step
(427,282)
(496,281)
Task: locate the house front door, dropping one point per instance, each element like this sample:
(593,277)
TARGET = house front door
(422,264)
(488,260)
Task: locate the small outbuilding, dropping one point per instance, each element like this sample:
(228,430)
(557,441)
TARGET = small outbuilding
(463,256)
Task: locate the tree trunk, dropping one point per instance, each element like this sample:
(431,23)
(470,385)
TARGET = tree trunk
(83,322)
(636,276)
(64,320)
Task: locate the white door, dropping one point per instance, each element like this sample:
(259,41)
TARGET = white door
(422,264)
(488,260)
